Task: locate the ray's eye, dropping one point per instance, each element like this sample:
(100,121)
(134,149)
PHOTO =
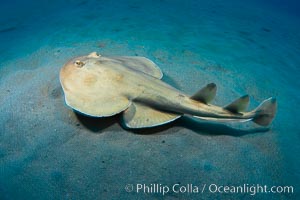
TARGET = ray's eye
(79,63)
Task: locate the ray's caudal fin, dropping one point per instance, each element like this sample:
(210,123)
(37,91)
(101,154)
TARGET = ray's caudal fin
(265,112)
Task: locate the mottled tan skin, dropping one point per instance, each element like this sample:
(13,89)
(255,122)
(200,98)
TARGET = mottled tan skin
(104,87)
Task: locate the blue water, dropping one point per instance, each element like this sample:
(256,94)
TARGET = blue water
(245,47)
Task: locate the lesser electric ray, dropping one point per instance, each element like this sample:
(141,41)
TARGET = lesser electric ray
(102,86)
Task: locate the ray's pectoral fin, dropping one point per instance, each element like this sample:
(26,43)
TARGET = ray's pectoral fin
(206,94)
(95,106)
(141,64)
(141,116)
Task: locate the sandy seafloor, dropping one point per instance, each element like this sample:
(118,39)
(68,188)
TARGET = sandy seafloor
(49,152)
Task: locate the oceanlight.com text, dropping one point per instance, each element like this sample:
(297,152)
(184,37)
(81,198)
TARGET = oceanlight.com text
(251,189)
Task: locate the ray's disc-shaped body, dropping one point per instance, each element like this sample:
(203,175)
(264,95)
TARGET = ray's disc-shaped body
(104,86)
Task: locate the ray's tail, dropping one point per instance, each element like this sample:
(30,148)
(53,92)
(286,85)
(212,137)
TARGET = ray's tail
(262,115)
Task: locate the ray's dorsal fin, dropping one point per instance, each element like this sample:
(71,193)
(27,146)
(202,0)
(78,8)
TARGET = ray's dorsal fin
(139,115)
(141,64)
(239,105)
(206,94)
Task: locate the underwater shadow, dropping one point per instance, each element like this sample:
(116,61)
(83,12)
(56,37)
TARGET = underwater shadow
(152,130)
(214,129)
(98,125)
